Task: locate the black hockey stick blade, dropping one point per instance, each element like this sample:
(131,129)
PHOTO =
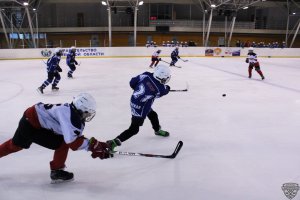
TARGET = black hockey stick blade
(177,149)
(184,60)
(184,90)
(172,156)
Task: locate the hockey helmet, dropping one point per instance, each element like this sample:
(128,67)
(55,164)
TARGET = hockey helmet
(251,49)
(73,48)
(162,73)
(85,104)
(58,51)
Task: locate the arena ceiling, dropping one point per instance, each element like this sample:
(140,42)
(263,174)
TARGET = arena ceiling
(203,4)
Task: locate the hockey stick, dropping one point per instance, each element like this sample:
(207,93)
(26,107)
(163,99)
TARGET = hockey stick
(183,90)
(172,156)
(170,64)
(183,60)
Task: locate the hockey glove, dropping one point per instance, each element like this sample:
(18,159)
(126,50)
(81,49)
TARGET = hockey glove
(159,59)
(168,87)
(99,149)
(58,68)
(178,57)
(76,63)
(112,144)
(247,60)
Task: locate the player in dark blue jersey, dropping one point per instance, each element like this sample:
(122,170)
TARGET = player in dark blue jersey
(146,88)
(71,62)
(174,56)
(53,70)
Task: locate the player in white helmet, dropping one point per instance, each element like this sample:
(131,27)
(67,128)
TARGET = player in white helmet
(155,58)
(71,62)
(253,63)
(146,88)
(58,127)
(53,70)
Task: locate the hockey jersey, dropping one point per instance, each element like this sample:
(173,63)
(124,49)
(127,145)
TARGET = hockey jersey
(155,54)
(252,58)
(62,120)
(71,58)
(146,90)
(175,53)
(53,63)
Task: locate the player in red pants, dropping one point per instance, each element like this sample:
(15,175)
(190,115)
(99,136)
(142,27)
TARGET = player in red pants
(155,58)
(253,63)
(58,127)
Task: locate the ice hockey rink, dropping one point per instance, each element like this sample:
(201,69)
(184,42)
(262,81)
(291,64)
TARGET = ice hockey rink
(242,146)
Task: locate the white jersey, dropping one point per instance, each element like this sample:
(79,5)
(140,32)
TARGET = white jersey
(252,58)
(61,120)
(155,54)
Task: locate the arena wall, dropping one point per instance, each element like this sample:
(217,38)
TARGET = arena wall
(111,52)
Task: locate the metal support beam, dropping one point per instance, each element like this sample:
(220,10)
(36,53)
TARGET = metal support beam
(231,30)
(203,29)
(37,29)
(225,35)
(4,29)
(209,25)
(295,34)
(287,22)
(109,25)
(30,25)
(135,24)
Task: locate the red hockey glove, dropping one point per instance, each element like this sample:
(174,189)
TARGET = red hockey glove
(98,149)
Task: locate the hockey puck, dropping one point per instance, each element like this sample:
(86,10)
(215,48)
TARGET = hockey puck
(224,95)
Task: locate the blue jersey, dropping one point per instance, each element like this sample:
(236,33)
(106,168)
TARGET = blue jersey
(71,58)
(53,63)
(175,53)
(146,90)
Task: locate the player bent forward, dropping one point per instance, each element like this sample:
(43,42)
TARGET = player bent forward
(58,127)
(147,87)
(155,58)
(252,60)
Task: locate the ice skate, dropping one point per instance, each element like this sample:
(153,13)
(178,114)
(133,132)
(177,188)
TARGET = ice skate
(162,133)
(70,76)
(41,89)
(59,176)
(54,87)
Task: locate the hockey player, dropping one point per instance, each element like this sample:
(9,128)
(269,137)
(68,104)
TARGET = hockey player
(146,88)
(252,60)
(53,70)
(71,62)
(174,56)
(58,127)
(155,58)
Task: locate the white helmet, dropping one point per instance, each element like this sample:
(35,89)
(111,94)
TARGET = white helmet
(73,48)
(85,104)
(251,49)
(162,73)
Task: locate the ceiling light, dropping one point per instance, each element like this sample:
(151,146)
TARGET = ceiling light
(141,3)
(25,3)
(246,7)
(104,3)
(213,5)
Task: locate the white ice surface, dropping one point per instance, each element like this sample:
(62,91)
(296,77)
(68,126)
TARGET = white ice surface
(240,147)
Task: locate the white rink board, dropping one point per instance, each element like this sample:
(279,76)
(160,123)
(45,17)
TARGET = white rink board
(146,52)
